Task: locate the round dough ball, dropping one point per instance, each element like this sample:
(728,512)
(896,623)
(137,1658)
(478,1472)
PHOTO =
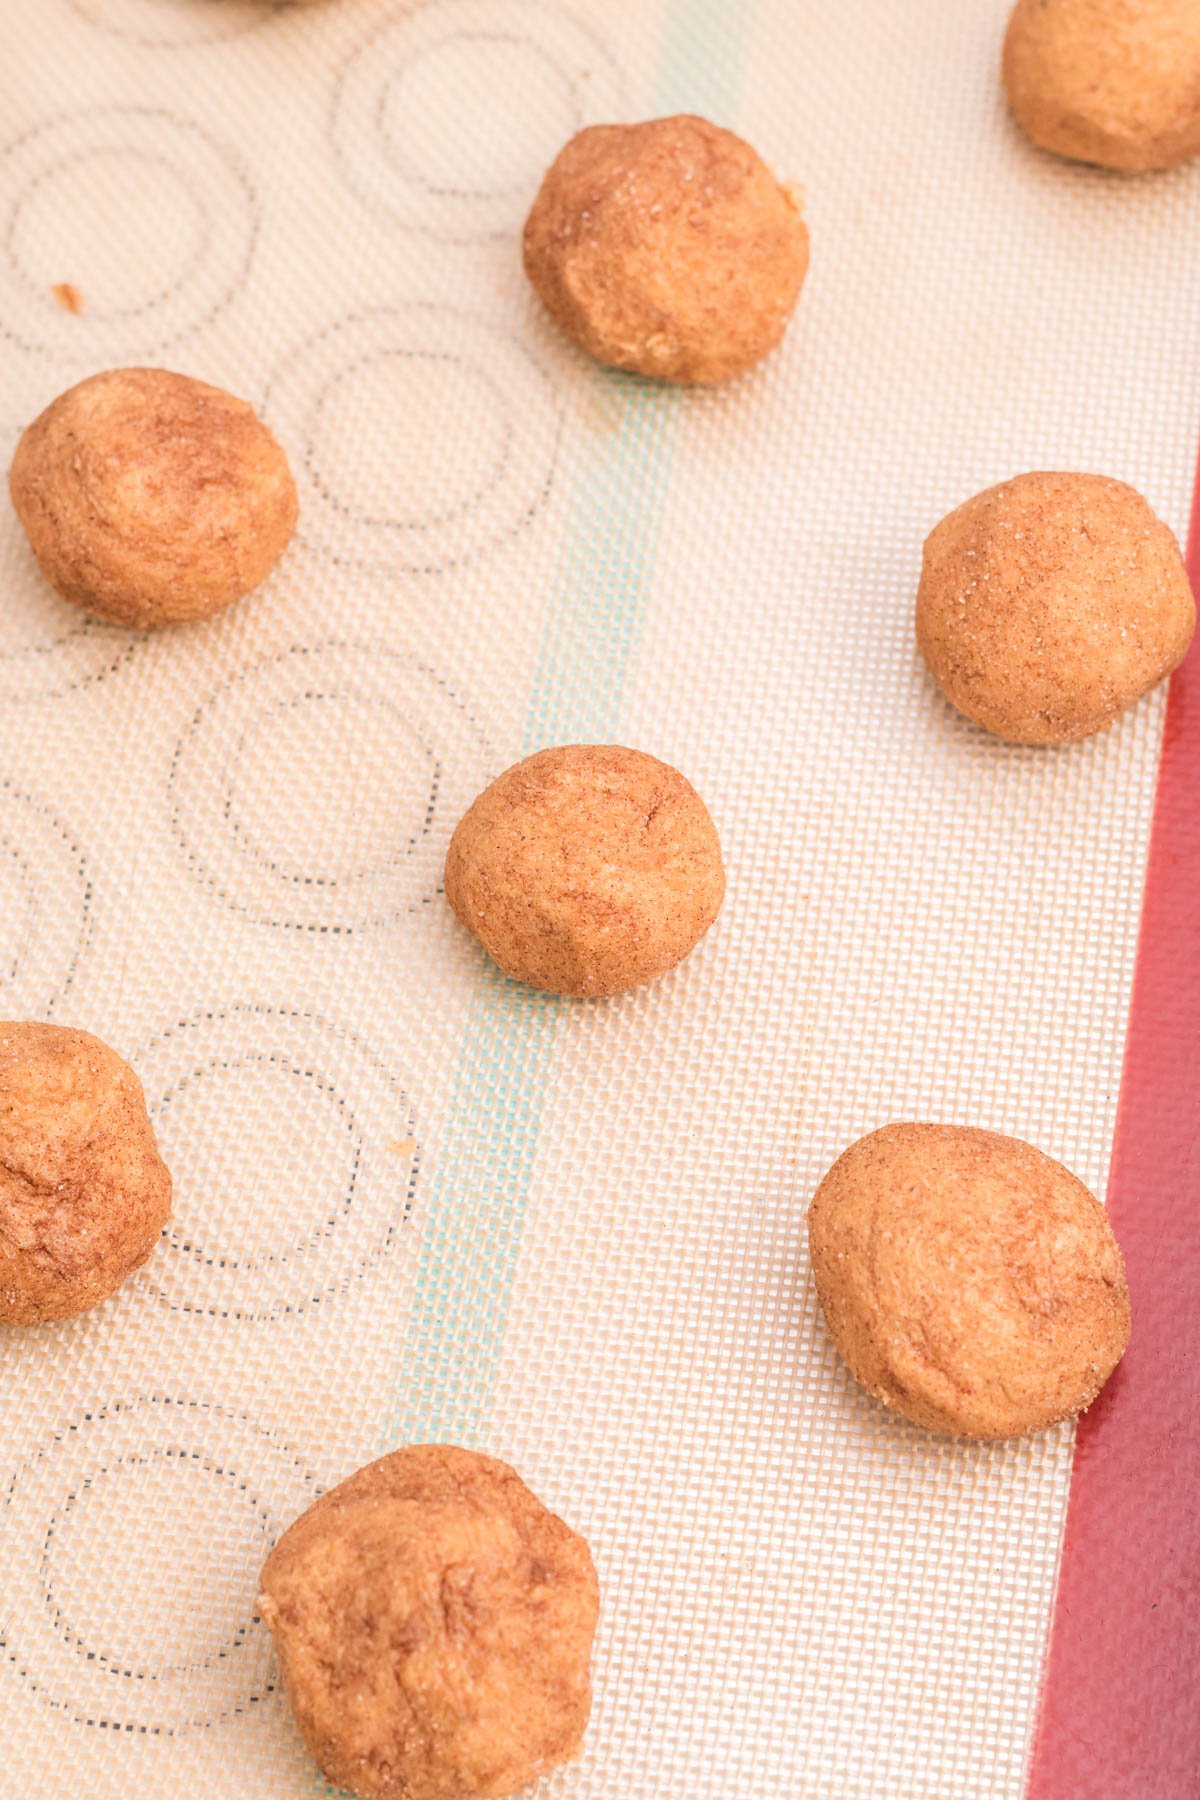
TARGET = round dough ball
(1115,82)
(1049,604)
(434,1627)
(152,499)
(84,1194)
(971,1283)
(587,870)
(667,248)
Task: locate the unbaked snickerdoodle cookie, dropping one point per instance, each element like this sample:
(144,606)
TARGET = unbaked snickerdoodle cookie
(84,1194)
(1049,604)
(151,498)
(587,869)
(1114,82)
(667,248)
(434,1627)
(970,1282)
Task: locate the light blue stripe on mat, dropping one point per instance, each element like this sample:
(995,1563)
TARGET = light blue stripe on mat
(482,1178)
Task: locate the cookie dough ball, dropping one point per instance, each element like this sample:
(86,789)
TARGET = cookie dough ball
(1115,82)
(84,1194)
(1049,604)
(971,1283)
(587,870)
(434,1627)
(667,248)
(152,499)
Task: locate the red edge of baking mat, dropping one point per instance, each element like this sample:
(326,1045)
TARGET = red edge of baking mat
(1120,1715)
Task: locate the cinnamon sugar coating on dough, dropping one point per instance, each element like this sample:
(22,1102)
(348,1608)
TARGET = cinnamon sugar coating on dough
(587,869)
(1049,604)
(84,1194)
(434,1627)
(1114,82)
(970,1282)
(152,499)
(667,248)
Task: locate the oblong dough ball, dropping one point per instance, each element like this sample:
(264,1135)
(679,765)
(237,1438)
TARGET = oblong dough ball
(151,498)
(1115,82)
(84,1194)
(667,248)
(970,1282)
(1050,603)
(434,1627)
(587,869)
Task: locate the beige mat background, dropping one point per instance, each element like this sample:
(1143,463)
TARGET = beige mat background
(412,1200)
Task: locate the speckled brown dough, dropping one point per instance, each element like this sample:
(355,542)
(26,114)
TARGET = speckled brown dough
(970,1282)
(1050,603)
(84,1194)
(1115,82)
(587,869)
(152,499)
(434,1626)
(667,248)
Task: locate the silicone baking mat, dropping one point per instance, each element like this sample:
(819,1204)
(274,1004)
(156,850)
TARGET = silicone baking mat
(415,1201)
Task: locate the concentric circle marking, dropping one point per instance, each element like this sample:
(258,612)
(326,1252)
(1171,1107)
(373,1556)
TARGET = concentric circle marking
(324,1196)
(473,67)
(513,86)
(173,24)
(95,1511)
(48,647)
(134,1538)
(427,438)
(145,212)
(45,905)
(62,201)
(317,790)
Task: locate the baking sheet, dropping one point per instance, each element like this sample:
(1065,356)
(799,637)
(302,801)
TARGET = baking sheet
(413,1200)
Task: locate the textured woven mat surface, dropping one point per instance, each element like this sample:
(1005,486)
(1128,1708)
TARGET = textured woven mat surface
(414,1201)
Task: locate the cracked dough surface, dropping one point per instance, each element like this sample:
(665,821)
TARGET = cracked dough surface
(84,1194)
(1050,603)
(152,499)
(1114,82)
(667,248)
(434,1626)
(587,869)
(970,1282)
